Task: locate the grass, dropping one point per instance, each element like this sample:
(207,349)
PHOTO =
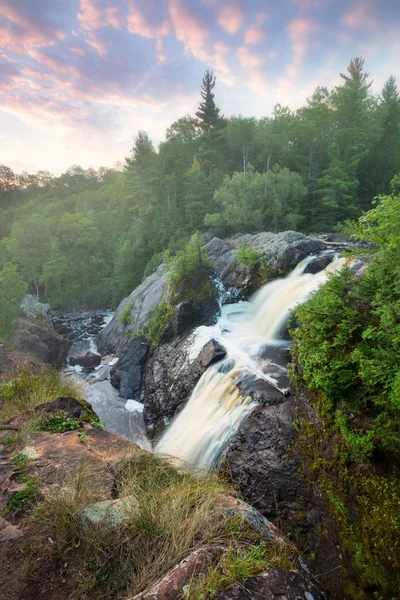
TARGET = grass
(26,388)
(176,515)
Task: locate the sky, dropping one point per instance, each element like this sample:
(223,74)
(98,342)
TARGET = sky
(79,78)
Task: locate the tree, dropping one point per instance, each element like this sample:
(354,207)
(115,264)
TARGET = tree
(141,169)
(12,290)
(211,142)
(240,133)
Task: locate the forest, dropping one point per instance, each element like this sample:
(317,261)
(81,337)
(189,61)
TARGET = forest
(88,237)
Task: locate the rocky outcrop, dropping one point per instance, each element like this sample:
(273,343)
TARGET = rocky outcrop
(89,360)
(138,307)
(284,251)
(319,263)
(11,359)
(170,375)
(274,585)
(259,462)
(35,310)
(41,342)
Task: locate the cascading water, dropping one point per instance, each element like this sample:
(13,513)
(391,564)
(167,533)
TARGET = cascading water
(251,335)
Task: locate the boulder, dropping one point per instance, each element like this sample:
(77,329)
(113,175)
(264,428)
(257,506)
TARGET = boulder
(89,360)
(41,342)
(11,359)
(170,375)
(319,263)
(172,586)
(9,532)
(234,507)
(35,310)
(259,463)
(109,512)
(68,406)
(126,375)
(140,303)
(276,584)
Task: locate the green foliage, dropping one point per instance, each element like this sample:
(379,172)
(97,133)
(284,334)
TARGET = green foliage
(190,274)
(159,318)
(12,290)
(59,423)
(347,352)
(256,261)
(23,500)
(20,462)
(125,318)
(348,340)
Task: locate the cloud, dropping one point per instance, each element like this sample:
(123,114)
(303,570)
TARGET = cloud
(254,35)
(189,29)
(231,16)
(146,25)
(95,15)
(247,58)
(300,31)
(25,26)
(361,15)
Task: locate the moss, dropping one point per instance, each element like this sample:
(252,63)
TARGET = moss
(161,315)
(255,259)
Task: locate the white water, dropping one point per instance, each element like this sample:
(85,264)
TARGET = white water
(250,333)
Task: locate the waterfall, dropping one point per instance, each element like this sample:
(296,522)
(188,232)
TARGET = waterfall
(251,334)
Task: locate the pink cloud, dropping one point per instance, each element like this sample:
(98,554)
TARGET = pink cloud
(300,30)
(19,33)
(94,16)
(247,58)
(189,29)
(231,17)
(254,35)
(220,64)
(140,25)
(361,15)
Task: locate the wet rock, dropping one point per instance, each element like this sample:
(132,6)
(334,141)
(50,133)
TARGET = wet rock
(69,406)
(41,342)
(170,375)
(109,512)
(274,585)
(126,375)
(89,360)
(35,310)
(172,585)
(259,462)
(189,316)
(319,263)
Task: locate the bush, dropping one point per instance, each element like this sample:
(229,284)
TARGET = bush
(159,318)
(256,261)
(125,317)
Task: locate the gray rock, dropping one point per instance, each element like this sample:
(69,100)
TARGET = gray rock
(109,512)
(127,374)
(274,585)
(170,376)
(89,360)
(141,301)
(319,263)
(40,341)
(257,459)
(234,507)
(34,309)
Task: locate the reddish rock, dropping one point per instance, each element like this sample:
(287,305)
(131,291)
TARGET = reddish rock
(171,586)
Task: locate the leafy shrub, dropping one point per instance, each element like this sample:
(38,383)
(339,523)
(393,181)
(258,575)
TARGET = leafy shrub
(24,499)
(159,318)
(125,318)
(190,274)
(256,261)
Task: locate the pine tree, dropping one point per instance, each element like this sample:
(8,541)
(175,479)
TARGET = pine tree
(209,113)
